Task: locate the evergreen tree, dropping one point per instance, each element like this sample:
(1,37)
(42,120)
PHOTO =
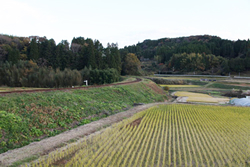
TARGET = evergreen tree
(225,67)
(227,49)
(111,55)
(63,56)
(81,59)
(13,55)
(237,64)
(34,52)
(51,50)
(57,59)
(43,49)
(98,54)
(117,58)
(90,54)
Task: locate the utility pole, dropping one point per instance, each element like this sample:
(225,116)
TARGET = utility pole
(86,81)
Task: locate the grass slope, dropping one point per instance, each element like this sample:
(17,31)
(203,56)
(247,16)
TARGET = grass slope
(28,117)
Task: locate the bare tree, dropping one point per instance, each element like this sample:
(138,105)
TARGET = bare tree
(75,47)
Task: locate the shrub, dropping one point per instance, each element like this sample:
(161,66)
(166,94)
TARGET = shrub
(166,88)
(103,76)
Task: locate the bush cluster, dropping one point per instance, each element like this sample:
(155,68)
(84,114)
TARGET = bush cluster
(28,74)
(166,88)
(104,76)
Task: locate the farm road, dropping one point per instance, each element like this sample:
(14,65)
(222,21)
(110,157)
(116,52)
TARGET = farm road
(65,89)
(49,144)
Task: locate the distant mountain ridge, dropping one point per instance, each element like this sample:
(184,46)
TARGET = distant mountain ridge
(203,38)
(168,50)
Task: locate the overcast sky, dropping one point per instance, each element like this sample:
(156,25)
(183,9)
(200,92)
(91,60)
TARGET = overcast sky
(125,22)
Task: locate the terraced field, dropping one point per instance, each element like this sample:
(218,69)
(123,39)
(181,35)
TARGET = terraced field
(200,97)
(166,135)
(181,86)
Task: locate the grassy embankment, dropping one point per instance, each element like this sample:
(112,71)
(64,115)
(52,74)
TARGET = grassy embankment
(30,117)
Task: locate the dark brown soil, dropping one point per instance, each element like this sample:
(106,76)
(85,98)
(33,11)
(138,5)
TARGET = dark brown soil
(63,161)
(136,122)
(156,88)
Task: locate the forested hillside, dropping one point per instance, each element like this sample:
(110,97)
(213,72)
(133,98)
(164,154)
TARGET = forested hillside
(38,62)
(195,53)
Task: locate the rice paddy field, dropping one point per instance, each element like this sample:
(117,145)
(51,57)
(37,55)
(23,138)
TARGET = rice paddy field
(185,78)
(165,135)
(190,78)
(181,86)
(200,97)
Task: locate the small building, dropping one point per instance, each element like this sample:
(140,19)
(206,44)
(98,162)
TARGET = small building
(241,101)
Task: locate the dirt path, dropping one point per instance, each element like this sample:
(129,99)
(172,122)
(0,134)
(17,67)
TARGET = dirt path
(65,89)
(49,144)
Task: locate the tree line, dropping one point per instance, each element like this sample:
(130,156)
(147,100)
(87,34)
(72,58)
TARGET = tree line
(207,54)
(38,62)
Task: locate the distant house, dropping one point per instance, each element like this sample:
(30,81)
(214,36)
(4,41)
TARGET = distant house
(207,80)
(37,38)
(33,37)
(241,102)
(144,59)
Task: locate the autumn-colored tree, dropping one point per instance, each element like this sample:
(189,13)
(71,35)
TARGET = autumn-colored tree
(131,65)
(194,62)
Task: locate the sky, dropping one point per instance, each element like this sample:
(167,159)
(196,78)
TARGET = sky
(125,22)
